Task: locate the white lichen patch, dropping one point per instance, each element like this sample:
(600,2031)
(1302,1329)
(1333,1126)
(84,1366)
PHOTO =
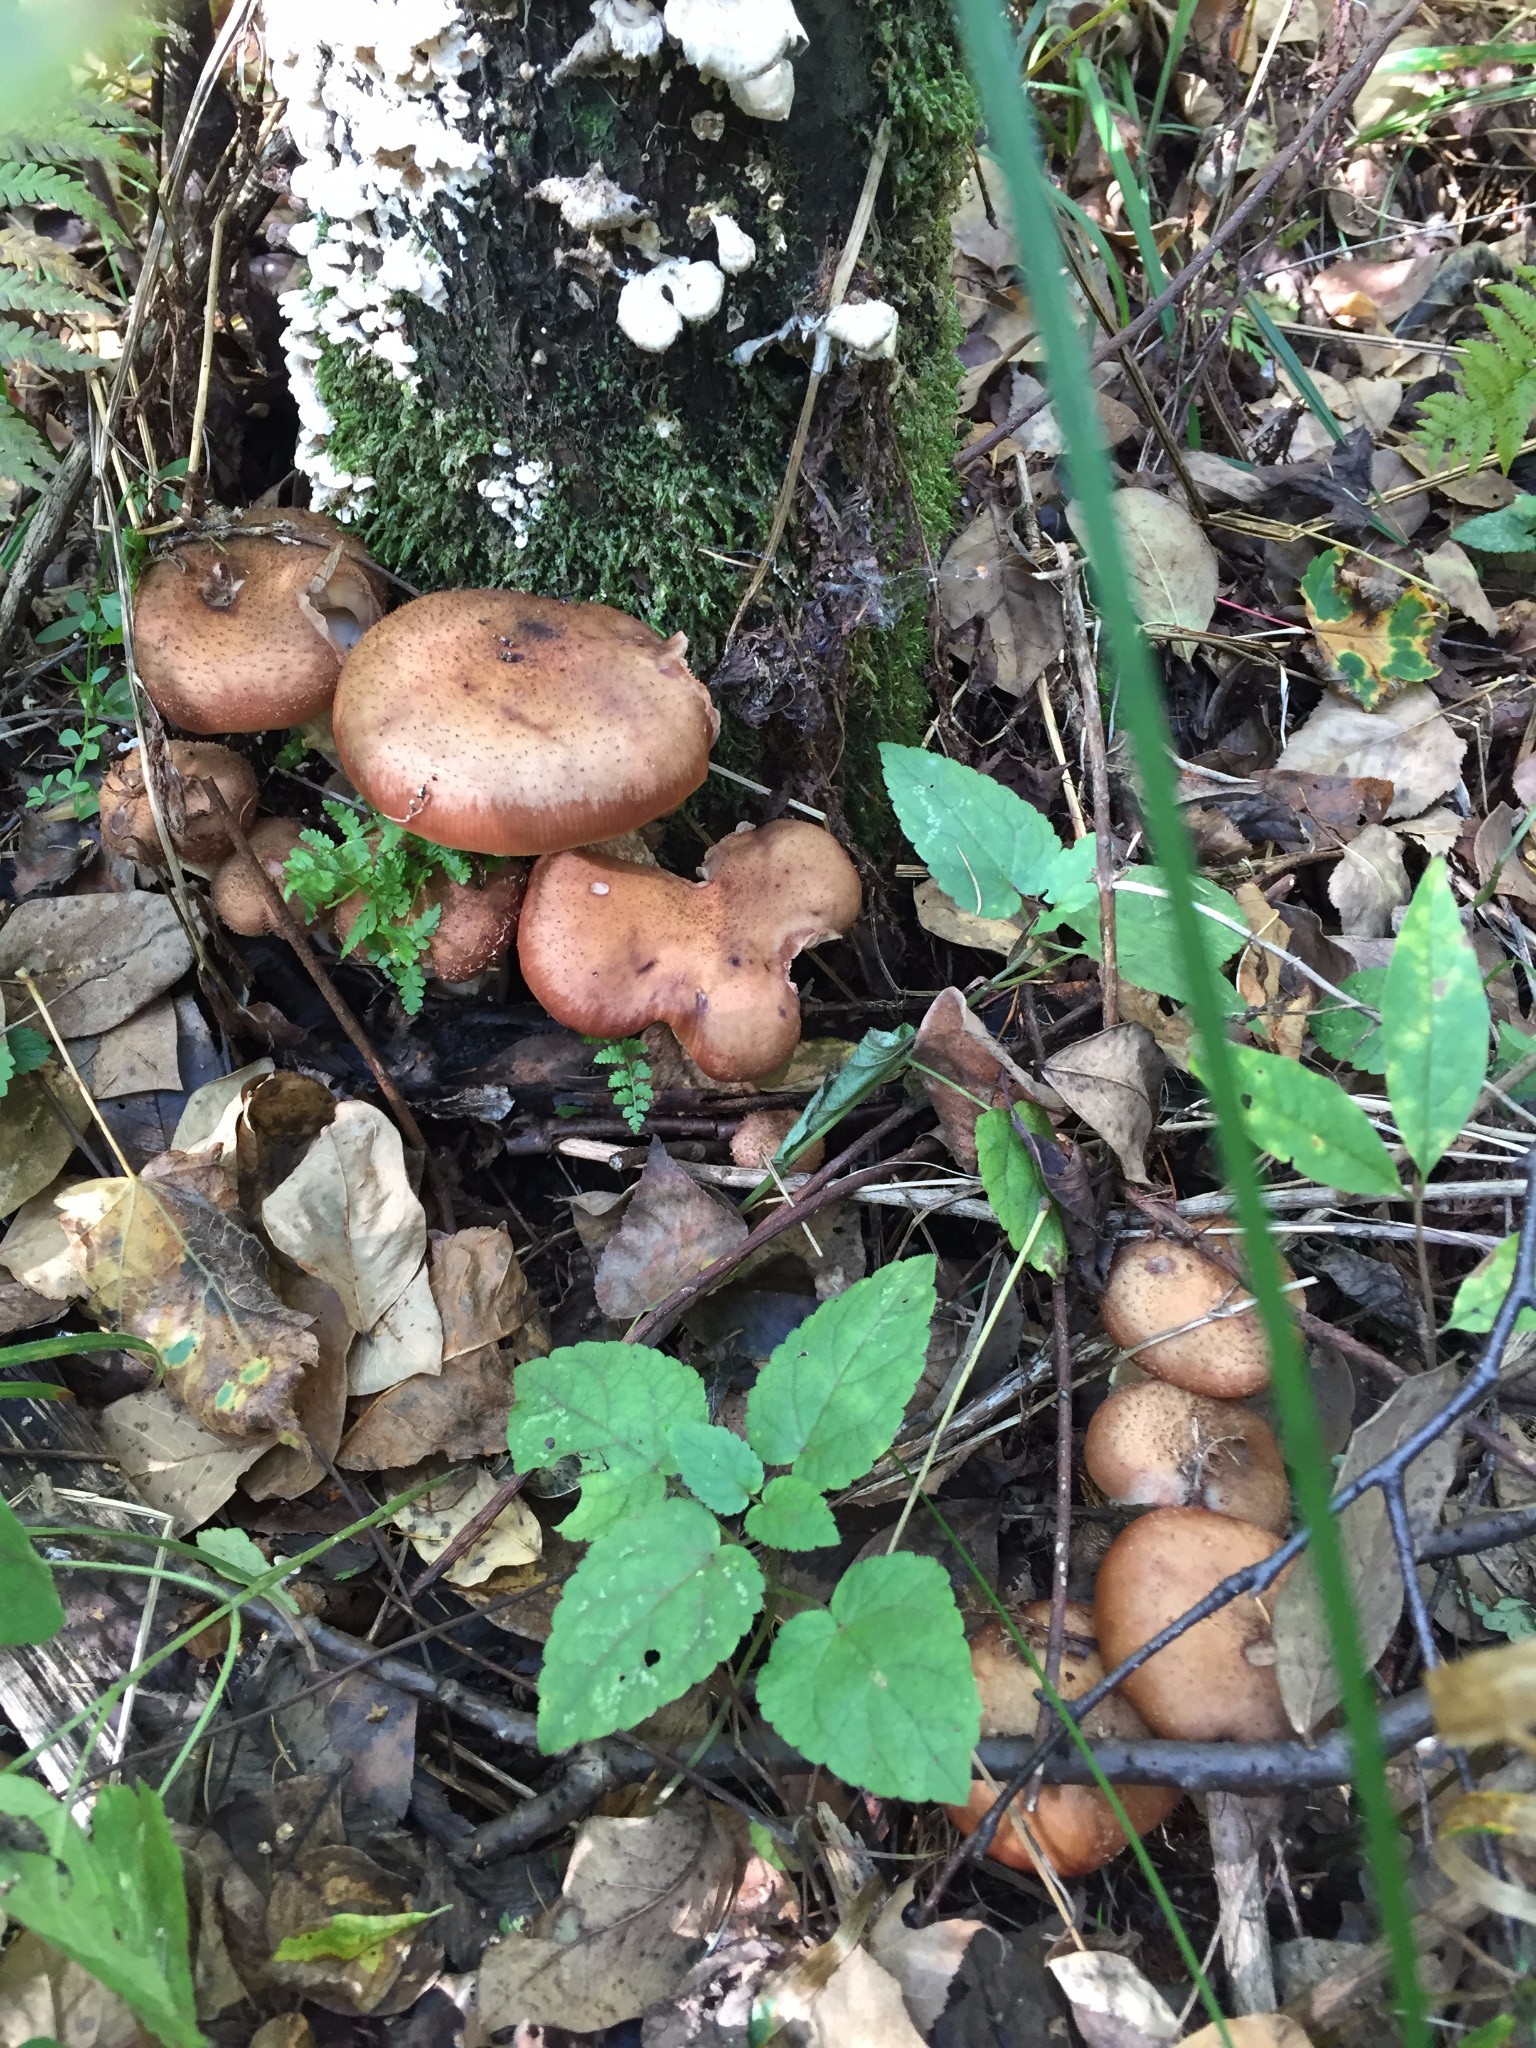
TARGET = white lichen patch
(388,135)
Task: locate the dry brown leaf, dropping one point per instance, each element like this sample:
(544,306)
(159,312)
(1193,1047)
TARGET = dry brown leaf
(35,1140)
(97,960)
(1173,568)
(1363,292)
(1487,1696)
(336,1879)
(943,917)
(1304,1661)
(1369,881)
(406,1340)
(46,1997)
(953,1042)
(1490,846)
(923,1960)
(1261,976)
(859,2006)
(135,1057)
(1408,743)
(1113,1081)
(671,1231)
(1170,1028)
(639,1901)
(1507,1818)
(434,1519)
(461,1411)
(349,1215)
(173,1463)
(288,1471)
(165,1263)
(1252,2030)
(37,1252)
(983,578)
(1112,2002)
(21,1309)
(212,1111)
(1450,570)
(481,1292)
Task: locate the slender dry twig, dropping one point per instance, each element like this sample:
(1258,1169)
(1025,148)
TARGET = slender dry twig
(50,519)
(1071,586)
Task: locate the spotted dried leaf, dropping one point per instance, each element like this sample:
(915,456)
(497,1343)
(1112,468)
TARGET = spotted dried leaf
(1375,633)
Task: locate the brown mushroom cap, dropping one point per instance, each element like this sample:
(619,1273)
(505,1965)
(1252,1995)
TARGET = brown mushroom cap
(1156,1285)
(757,1138)
(1217,1681)
(128,823)
(478,921)
(240,633)
(1074,1825)
(608,948)
(1154,1445)
(503,723)
(237,899)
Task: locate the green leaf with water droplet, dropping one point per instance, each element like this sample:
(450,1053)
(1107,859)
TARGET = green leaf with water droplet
(1434,1023)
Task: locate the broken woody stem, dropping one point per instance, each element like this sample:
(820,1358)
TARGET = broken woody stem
(1389,1473)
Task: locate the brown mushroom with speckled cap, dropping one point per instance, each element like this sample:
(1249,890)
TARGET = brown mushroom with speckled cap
(128,822)
(476,922)
(250,630)
(239,900)
(1154,1445)
(1182,1318)
(502,723)
(1073,1826)
(608,947)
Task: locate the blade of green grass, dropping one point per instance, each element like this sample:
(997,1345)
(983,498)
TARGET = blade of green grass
(1133,198)
(994,67)
(1178,36)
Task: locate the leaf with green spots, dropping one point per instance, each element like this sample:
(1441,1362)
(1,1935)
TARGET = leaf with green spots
(351,1937)
(831,1398)
(985,847)
(1481,1295)
(1434,1022)
(792,1515)
(1017,1192)
(715,1465)
(611,1406)
(878,1685)
(651,1609)
(1348,1034)
(1309,1121)
(30,1609)
(1375,639)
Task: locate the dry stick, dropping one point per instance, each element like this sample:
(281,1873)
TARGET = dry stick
(50,518)
(863,213)
(296,936)
(1098,774)
(1238,219)
(205,363)
(1061,1548)
(820,1190)
(1238,1825)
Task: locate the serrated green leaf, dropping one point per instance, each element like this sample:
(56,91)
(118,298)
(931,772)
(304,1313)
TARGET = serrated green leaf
(235,1556)
(1309,1121)
(1016,1191)
(985,847)
(114,1902)
(878,1686)
(611,1405)
(877,1058)
(1509,531)
(350,1937)
(25,457)
(716,1465)
(792,1515)
(1350,1035)
(651,1609)
(1434,1022)
(1481,1295)
(30,1609)
(830,1399)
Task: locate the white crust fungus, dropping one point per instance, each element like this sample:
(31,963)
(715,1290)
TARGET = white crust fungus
(734,247)
(654,306)
(866,328)
(622,32)
(591,204)
(746,44)
(770,95)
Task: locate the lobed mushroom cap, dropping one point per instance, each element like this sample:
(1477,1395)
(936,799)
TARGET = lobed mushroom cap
(608,947)
(476,925)
(1156,1285)
(503,723)
(1217,1681)
(1075,1825)
(128,822)
(239,634)
(238,900)
(1155,1445)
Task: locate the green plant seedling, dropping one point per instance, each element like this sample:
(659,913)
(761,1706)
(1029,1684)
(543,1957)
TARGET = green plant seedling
(22,1051)
(629,1078)
(1509,531)
(387,866)
(665,1592)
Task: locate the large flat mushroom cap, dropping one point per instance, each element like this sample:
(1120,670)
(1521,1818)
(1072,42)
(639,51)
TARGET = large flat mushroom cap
(238,634)
(502,723)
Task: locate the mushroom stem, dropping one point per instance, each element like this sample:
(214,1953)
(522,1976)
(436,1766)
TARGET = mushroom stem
(294,933)
(1239,1825)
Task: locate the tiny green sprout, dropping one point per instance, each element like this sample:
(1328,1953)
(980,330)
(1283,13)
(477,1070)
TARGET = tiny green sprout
(629,1078)
(388,867)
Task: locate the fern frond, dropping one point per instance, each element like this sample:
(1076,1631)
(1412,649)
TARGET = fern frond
(41,295)
(1492,411)
(25,457)
(1519,302)
(64,131)
(23,248)
(39,184)
(31,345)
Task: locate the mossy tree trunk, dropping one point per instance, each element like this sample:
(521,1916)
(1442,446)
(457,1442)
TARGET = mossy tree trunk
(654,476)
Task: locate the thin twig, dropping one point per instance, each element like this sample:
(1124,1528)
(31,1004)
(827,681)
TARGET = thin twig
(1098,776)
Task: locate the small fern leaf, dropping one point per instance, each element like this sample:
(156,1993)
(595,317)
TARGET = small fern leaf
(23,248)
(41,295)
(35,184)
(26,460)
(64,131)
(31,345)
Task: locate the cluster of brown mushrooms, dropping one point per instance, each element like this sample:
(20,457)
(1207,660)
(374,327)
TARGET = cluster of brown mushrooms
(503,725)
(1176,1441)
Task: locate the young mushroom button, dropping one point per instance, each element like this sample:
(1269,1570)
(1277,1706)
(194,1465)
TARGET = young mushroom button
(501,723)
(239,900)
(608,947)
(250,630)
(128,821)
